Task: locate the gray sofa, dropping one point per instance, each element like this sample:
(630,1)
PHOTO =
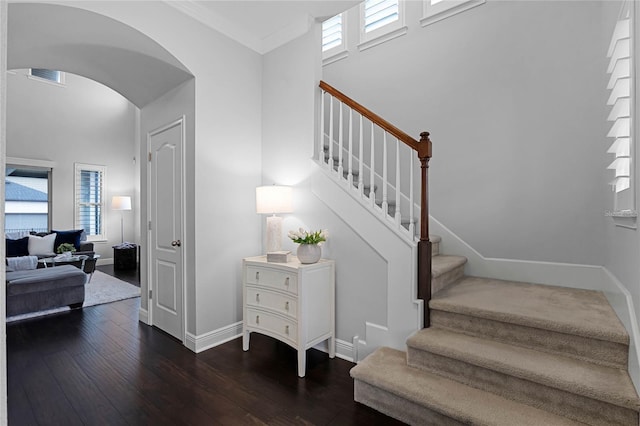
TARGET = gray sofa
(39,289)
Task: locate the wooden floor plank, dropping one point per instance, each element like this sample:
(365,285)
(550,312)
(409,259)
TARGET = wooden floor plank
(99,365)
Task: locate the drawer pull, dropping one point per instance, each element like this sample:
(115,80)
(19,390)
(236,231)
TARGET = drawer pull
(286,306)
(258,297)
(257,319)
(286,282)
(257,275)
(286,330)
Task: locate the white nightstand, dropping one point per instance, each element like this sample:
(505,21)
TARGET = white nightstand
(291,302)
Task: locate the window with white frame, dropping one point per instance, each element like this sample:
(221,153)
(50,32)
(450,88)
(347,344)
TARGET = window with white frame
(380,21)
(51,76)
(620,100)
(334,44)
(436,10)
(90,200)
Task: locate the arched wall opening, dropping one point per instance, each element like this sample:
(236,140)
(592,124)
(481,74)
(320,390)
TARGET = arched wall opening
(102,49)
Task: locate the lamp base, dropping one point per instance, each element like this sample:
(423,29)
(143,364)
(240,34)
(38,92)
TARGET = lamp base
(274,233)
(283,256)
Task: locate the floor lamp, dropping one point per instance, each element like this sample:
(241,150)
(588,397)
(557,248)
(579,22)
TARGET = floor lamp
(121,203)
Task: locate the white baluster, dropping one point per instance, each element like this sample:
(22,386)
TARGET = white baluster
(412,227)
(372,194)
(398,218)
(360,160)
(385,199)
(340,145)
(322,123)
(330,161)
(350,175)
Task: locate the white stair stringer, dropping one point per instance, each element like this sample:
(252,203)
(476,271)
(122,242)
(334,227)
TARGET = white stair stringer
(404,311)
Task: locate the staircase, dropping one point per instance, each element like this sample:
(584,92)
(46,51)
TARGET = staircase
(504,353)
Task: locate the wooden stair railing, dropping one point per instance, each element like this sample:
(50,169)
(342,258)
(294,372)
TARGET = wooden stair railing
(423,149)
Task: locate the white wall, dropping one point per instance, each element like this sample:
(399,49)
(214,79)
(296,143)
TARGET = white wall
(226,155)
(79,122)
(290,78)
(513,94)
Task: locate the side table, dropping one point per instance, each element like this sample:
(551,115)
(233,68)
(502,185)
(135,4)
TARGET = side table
(125,257)
(291,302)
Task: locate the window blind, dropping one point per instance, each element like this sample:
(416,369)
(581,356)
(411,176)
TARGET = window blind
(378,13)
(332,33)
(89,195)
(619,68)
(51,75)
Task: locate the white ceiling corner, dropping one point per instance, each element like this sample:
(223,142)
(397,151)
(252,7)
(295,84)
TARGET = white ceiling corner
(261,25)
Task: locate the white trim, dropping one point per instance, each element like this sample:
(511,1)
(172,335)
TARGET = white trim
(143,316)
(61,83)
(384,33)
(28,162)
(445,9)
(181,122)
(382,38)
(78,168)
(3,146)
(622,303)
(335,57)
(213,338)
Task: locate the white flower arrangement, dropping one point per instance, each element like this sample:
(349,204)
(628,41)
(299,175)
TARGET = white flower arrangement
(309,237)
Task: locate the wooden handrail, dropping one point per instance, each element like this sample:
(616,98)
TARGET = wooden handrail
(372,116)
(423,148)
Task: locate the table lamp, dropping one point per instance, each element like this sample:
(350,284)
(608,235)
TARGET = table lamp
(272,200)
(121,203)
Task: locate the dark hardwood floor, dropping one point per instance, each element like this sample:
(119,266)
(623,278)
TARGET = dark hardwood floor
(100,366)
(132,276)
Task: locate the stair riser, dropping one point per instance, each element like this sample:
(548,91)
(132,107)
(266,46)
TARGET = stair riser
(447,278)
(597,351)
(576,407)
(398,407)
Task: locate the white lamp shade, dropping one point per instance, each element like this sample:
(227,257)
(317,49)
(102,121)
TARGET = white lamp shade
(273,199)
(121,203)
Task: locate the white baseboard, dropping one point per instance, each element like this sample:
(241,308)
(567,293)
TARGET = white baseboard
(622,303)
(143,316)
(213,338)
(105,261)
(344,349)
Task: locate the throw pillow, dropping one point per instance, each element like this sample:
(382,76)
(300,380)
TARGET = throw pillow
(41,245)
(70,237)
(19,247)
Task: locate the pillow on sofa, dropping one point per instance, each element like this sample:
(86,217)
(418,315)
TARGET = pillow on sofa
(19,247)
(41,245)
(71,237)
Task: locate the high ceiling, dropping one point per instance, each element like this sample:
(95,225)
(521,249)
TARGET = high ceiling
(261,25)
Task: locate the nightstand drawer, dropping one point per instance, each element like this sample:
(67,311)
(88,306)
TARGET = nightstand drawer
(265,299)
(286,329)
(272,278)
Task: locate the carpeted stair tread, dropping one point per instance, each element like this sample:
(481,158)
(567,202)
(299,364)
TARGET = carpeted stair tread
(610,385)
(572,311)
(387,369)
(444,263)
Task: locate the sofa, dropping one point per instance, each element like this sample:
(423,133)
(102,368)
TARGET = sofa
(39,289)
(44,288)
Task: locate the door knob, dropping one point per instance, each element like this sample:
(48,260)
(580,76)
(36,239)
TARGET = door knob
(176,243)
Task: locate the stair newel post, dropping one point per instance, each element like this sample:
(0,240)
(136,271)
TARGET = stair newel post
(424,245)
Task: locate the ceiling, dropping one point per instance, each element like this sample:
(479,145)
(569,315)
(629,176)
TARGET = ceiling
(261,25)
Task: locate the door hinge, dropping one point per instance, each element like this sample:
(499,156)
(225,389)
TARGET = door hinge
(149,225)
(150,293)
(149,156)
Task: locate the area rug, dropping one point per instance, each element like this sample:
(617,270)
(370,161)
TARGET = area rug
(101,289)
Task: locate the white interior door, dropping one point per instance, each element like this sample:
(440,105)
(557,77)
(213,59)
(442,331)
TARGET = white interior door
(165,214)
